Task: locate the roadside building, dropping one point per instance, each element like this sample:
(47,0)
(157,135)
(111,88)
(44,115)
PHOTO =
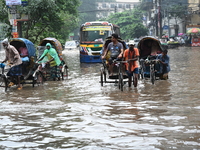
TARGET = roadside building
(106,8)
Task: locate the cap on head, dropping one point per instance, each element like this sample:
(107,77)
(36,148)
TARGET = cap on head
(5,41)
(131,43)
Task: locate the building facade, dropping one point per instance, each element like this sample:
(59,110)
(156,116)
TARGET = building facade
(161,21)
(107,8)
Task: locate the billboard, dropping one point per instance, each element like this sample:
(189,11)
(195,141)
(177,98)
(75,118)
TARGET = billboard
(13,2)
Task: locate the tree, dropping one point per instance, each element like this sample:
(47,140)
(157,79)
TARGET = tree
(130,23)
(47,18)
(6,27)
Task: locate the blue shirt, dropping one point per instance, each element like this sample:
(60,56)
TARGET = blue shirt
(164,59)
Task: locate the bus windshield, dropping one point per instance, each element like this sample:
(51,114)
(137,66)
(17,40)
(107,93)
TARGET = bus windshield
(96,36)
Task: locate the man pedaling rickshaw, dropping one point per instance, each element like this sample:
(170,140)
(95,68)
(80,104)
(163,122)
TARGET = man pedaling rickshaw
(116,52)
(50,56)
(13,57)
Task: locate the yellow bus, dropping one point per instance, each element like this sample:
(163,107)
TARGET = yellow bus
(92,37)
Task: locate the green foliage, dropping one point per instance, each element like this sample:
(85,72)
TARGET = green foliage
(47,18)
(177,11)
(6,28)
(130,23)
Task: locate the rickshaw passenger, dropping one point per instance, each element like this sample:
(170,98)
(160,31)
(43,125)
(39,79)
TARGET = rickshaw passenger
(53,60)
(23,51)
(155,49)
(146,48)
(132,55)
(163,67)
(116,51)
(13,57)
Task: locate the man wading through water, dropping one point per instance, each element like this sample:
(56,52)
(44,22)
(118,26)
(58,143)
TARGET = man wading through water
(132,55)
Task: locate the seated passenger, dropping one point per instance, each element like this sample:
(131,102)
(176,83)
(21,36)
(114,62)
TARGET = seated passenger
(52,59)
(23,52)
(116,52)
(155,49)
(163,67)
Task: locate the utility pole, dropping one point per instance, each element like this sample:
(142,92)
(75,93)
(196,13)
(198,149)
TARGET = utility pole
(159,19)
(156,20)
(115,9)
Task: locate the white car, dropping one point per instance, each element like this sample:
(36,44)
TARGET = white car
(71,45)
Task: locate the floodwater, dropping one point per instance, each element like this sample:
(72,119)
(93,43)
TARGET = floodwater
(79,114)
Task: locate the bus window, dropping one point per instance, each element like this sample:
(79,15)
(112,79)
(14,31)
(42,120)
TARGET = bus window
(94,35)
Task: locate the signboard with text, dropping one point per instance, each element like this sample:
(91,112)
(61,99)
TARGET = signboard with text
(13,2)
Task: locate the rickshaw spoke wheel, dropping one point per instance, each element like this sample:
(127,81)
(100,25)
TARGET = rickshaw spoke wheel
(121,82)
(142,73)
(101,77)
(64,73)
(152,77)
(129,81)
(38,79)
(104,73)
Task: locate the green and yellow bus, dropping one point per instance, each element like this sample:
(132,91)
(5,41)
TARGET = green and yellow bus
(92,37)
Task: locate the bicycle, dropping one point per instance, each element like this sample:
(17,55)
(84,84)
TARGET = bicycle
(118,75)
(151,61)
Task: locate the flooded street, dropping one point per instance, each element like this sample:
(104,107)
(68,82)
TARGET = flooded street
(79,114)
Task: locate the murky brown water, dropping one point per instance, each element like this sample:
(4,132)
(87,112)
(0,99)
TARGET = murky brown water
(80,114)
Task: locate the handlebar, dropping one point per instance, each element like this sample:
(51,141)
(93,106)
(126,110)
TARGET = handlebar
(120,61)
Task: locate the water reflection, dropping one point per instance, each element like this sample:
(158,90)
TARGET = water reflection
(80,114)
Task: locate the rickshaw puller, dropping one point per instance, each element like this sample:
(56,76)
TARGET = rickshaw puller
(53,60)
(132,55)
(13,57)
(116,52)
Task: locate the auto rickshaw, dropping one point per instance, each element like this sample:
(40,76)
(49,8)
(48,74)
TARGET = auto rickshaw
(58,47)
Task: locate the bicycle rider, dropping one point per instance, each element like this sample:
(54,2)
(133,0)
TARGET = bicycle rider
(116,52)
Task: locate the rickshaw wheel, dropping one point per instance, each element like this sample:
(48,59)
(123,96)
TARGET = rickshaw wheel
(3,82)
(64,72)
(152,77)
(129,81)
(141,73)
(121,82)
(38,79)
(104,73)
(101,77)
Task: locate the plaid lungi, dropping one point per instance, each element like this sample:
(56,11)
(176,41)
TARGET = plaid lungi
(55,72)
(15,71)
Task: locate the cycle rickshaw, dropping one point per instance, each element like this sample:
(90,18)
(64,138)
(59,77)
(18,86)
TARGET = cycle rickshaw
(149,47)
(58,47)
(31,75)
(119,76)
